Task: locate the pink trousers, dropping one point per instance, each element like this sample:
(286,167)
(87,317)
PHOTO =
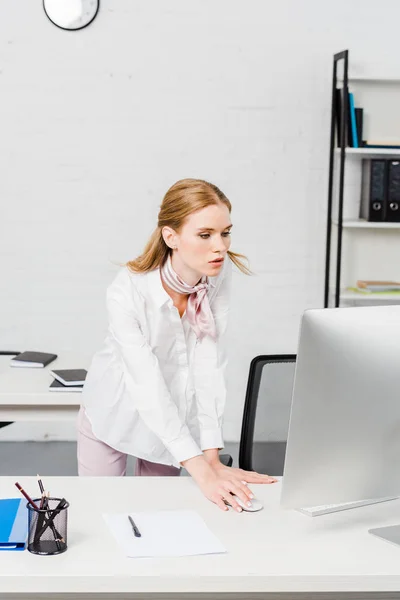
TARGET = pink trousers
(99,459)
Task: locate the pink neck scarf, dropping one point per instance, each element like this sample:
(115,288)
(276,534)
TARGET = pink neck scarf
(198,309)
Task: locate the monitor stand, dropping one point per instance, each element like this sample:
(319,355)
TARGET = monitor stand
(315,511)
(390,533)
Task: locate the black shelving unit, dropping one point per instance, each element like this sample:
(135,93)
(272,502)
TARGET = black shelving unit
(339,151)
(340,56)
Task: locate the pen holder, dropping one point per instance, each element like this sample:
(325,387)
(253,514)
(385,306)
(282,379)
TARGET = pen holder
(47,527)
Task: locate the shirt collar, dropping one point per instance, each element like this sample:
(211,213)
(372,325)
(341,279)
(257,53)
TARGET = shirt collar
(156,288)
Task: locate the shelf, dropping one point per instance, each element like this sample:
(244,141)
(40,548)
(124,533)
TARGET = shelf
(370,79)
(369,82)
(362,224)
(370,152)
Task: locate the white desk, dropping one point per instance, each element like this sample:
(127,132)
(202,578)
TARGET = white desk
(273,553)
(25,396)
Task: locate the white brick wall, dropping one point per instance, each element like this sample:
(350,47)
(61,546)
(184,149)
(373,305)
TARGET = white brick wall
(95,125)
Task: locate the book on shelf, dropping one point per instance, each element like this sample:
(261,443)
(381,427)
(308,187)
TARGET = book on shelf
(377,147)
(371,287)
(32,359)
(364,292)
(57,386)
(353,123)
(69,377)
(383,144)
(353,130)
(353,133)
(338,112)
(359,124)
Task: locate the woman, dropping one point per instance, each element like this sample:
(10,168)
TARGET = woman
(156,390)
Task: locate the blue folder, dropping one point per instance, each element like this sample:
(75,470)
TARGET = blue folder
(13,524)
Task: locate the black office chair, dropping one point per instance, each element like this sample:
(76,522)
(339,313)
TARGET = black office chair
(7,353)
(266,413)
(226,459)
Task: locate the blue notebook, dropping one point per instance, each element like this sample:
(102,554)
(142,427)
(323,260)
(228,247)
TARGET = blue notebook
(13,524)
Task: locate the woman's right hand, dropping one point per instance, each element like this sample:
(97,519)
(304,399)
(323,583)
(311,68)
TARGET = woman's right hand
(219,488)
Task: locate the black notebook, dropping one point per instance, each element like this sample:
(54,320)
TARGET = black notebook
(32,359)
(57,386)
(70,376)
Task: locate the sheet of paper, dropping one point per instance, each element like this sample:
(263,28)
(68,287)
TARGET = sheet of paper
(164,533)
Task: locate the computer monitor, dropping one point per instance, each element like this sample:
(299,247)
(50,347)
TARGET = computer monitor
(344,431)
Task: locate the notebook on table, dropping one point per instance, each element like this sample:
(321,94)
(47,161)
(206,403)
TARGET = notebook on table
(57,386)
(70,377)
(32,359)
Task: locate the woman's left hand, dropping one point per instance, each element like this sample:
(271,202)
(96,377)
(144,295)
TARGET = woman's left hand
(245,476)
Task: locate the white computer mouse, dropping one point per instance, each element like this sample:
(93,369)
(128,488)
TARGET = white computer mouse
(255,504)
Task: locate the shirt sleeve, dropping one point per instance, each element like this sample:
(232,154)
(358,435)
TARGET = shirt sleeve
(210,369)
(150,395)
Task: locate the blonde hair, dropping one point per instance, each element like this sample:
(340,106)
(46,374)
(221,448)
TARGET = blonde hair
(181,200)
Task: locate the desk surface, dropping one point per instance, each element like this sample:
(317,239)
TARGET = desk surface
(275,551)
(30,386)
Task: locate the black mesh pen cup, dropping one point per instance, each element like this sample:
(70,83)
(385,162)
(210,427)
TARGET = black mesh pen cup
(47,527)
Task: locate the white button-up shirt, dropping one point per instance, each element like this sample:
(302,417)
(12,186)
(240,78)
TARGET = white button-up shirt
(154,390)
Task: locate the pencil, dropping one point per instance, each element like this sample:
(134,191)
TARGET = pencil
(57,535)
(23,492)
(44,504)
(41,487)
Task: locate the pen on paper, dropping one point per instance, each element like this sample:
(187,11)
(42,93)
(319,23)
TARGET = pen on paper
(135,529)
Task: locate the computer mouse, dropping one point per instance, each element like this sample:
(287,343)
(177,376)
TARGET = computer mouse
(255,504)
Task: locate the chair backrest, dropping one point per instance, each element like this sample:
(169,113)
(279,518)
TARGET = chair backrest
(266,413)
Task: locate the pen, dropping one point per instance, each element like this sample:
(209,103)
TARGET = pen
(135,529)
